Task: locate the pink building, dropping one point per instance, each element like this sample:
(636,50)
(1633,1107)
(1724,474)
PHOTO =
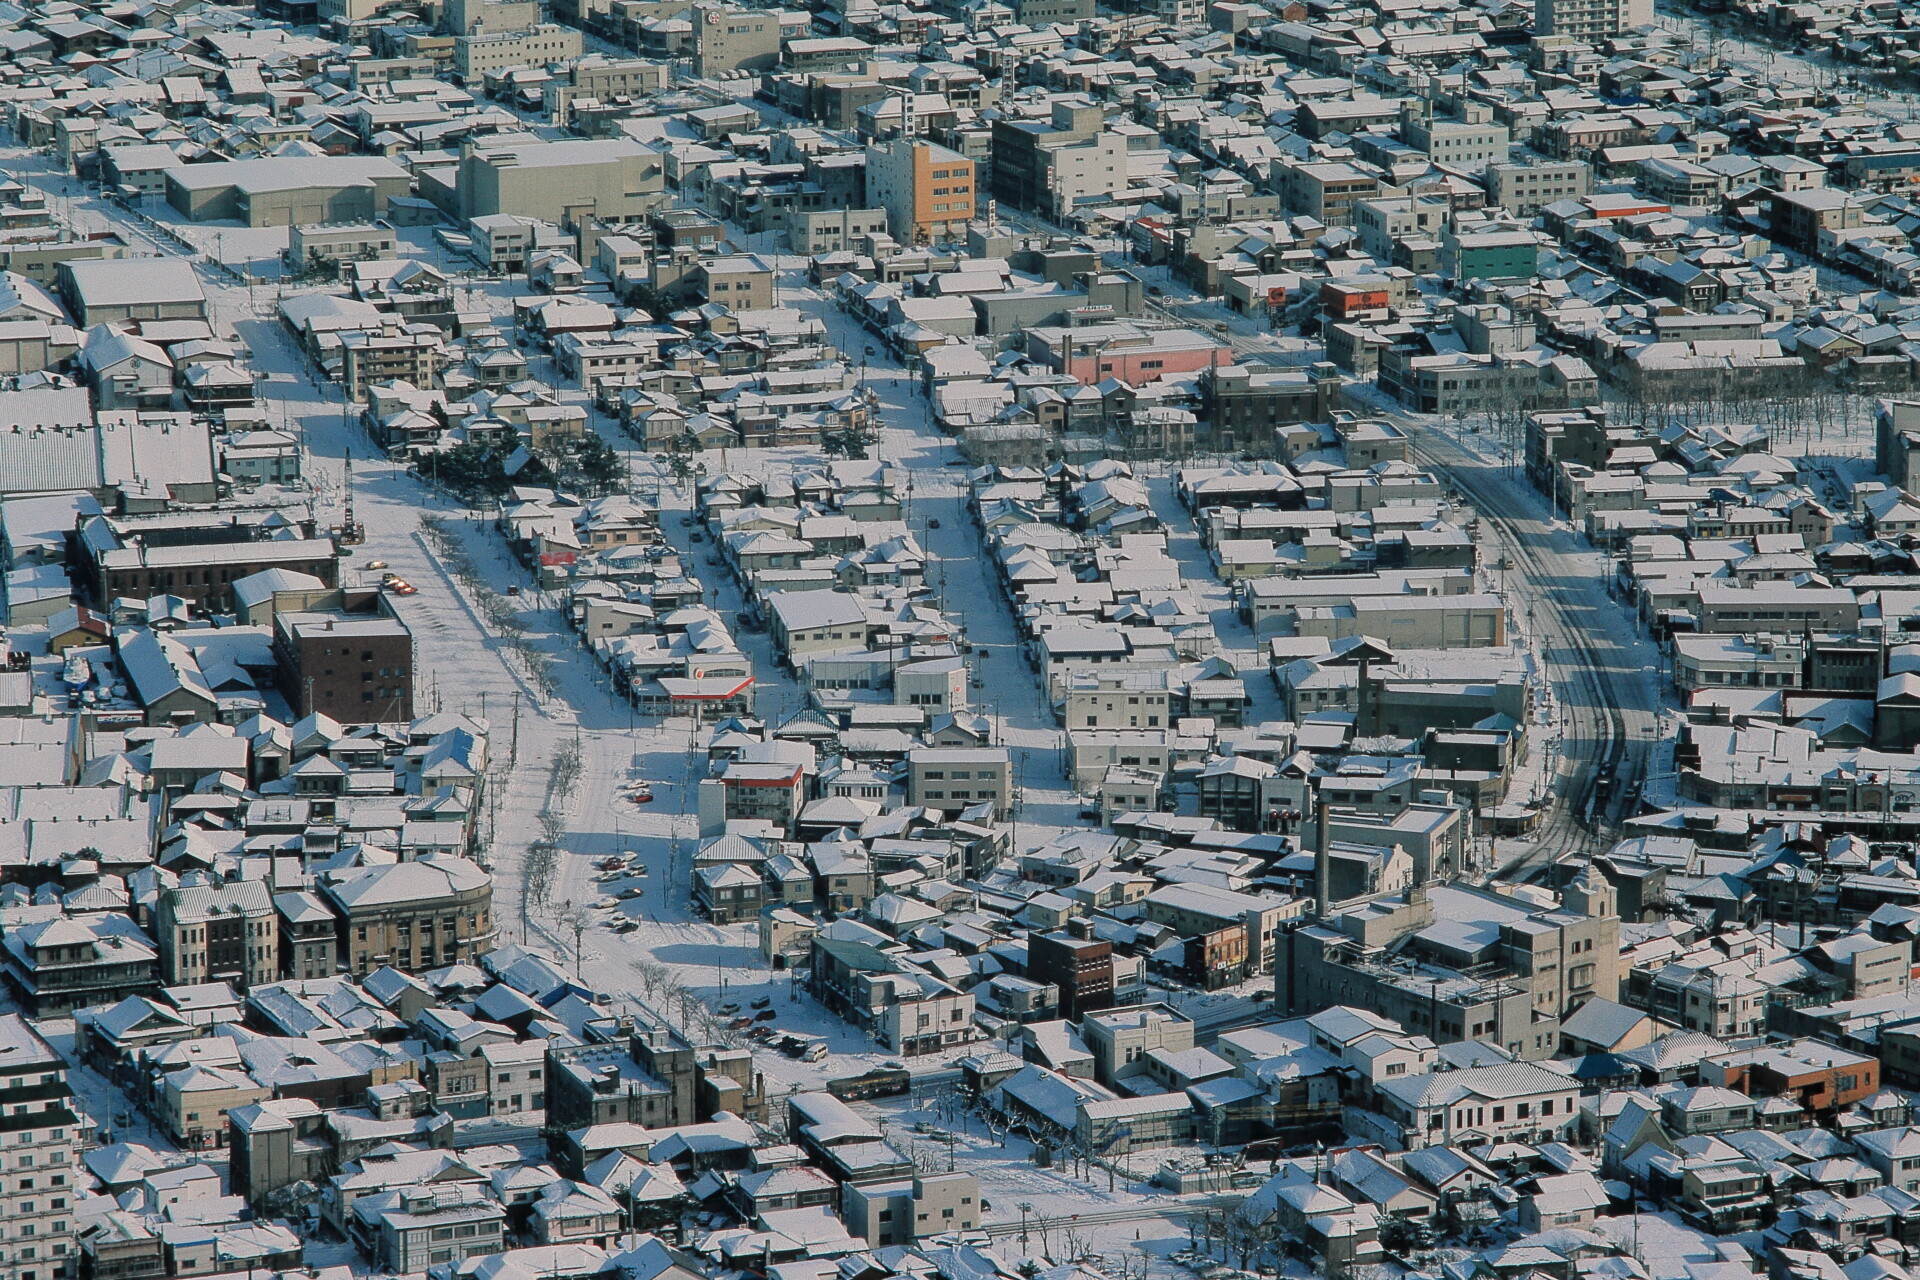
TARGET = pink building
(1125,351)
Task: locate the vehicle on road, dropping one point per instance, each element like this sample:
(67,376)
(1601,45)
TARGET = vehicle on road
(801,1045)
(880,1083)
(376,564)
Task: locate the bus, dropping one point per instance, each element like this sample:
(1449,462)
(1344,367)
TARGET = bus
(881,1082)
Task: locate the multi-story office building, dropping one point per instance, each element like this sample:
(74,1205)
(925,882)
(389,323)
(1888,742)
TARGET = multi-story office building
(415,916)
(353,663)
(928,191)
(1590,19)
(218,933)
(1052,166)
(42,1180)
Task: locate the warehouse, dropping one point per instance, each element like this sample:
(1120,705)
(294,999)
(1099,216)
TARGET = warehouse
(287,191)
(103,289)
(614,180)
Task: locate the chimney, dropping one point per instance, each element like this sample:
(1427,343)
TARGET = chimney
(1322,867)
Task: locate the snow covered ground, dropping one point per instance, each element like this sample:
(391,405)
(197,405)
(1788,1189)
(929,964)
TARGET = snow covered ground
(465,665)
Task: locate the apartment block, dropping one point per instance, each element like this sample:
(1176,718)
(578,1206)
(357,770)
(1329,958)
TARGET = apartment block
(929,192)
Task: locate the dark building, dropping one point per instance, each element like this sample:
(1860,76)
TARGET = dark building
(275,1144)
(59,965)
(684,228)
(199,563)
(309,944)
(650,1080)
(292,13)
(1020,163)
(1846,665)
(1216,959)
(354,662)
(1245,404)
(1080,968)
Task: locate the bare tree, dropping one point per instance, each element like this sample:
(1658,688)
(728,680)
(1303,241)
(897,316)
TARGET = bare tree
(576,920)
(1043,1227)
(1245,1232)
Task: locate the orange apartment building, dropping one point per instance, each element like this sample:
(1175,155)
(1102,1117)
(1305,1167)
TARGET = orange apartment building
(929,191)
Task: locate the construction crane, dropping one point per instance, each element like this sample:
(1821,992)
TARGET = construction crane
(351,534)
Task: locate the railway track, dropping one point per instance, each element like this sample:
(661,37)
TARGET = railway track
(1599,761)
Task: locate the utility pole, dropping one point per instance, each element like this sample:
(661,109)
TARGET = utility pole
(513,742)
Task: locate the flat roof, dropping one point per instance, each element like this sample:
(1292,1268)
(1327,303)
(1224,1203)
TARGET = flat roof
(108,282)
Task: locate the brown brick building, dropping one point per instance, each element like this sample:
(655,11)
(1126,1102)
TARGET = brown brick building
(354,662)
(200,572)
(1080,968)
